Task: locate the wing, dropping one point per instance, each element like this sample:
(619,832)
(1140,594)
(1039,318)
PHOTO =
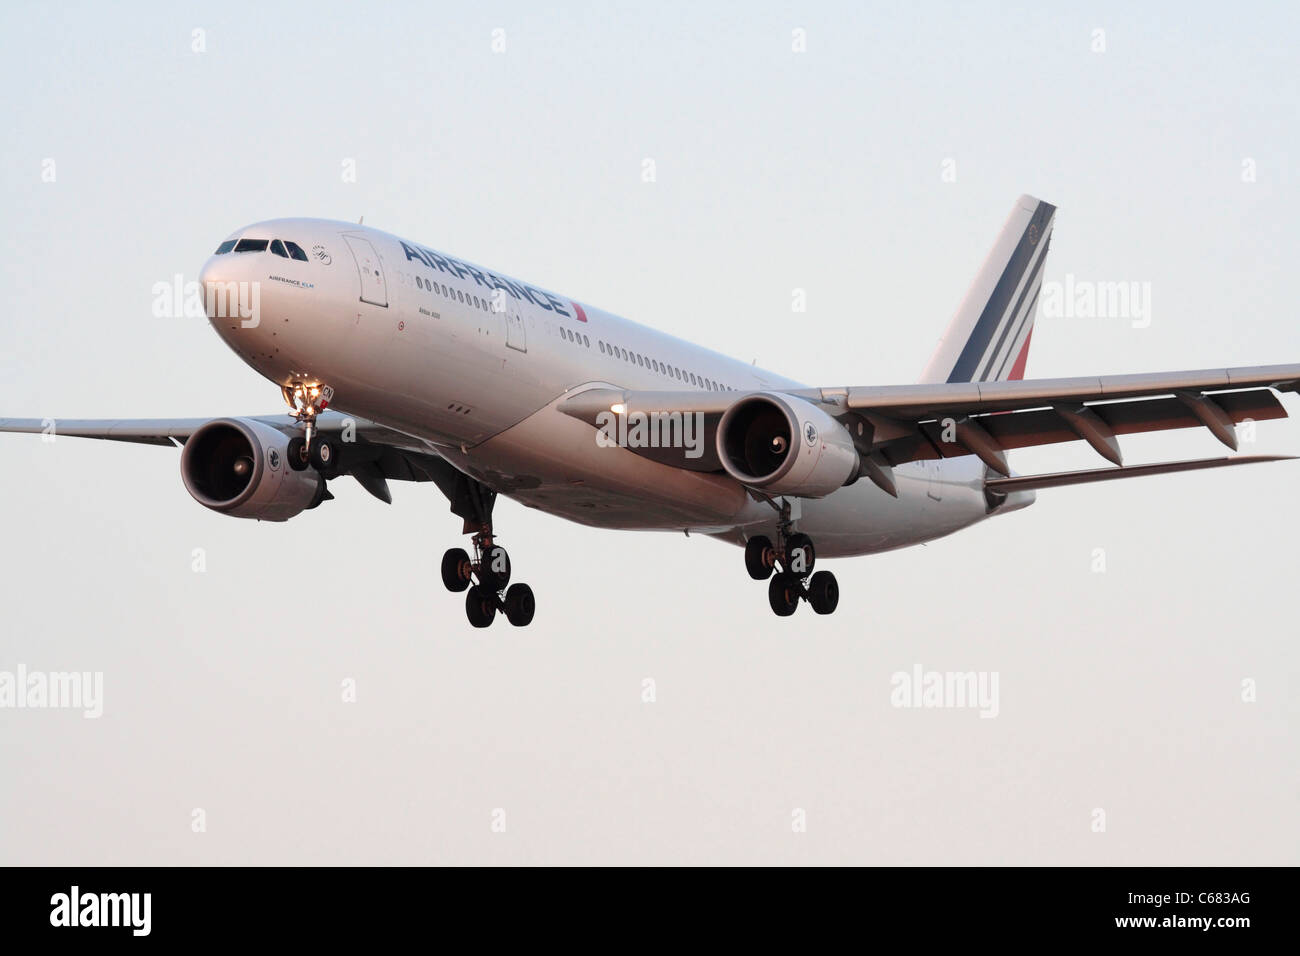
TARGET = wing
(896,424)
(398,456)
(144,431)
(176,431)
(908,422)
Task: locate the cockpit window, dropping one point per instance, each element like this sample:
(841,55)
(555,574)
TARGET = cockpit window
(225,247)
(295,250)
(251,245)
(277,247)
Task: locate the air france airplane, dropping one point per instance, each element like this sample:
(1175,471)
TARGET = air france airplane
(398,362)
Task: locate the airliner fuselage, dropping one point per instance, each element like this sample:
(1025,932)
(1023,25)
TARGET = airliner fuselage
(474,362)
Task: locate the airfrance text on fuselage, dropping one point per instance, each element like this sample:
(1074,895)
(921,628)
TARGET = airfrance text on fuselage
(487,280)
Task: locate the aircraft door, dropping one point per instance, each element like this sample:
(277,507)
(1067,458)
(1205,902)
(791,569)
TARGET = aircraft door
(516,337)
(370,270)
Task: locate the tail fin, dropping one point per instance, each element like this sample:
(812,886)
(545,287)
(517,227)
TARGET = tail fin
(988,339)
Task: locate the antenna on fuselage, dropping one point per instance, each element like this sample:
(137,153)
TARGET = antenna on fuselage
(361,221)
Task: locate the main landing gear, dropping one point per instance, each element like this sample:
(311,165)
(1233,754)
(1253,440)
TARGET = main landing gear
(795,556)
(486,577)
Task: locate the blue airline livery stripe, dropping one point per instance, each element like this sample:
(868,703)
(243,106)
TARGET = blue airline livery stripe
(999,305)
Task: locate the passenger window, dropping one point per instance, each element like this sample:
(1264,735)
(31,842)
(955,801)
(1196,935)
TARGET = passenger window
(251,245)
(586,342)
(225,247)
(295,251)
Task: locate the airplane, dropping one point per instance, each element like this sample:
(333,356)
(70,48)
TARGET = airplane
(402,363)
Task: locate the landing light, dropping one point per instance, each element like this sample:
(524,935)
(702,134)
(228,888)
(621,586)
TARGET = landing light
(618,408)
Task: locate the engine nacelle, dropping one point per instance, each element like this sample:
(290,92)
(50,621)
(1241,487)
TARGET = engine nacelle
(241,468)
(786,446)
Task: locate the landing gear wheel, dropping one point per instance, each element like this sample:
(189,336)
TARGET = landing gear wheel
(480,606)
(296,453)
(799,554)
(455,570)
(494,571)
(783,593)
(324,456)
(520,605)
(759,557)
(824,592)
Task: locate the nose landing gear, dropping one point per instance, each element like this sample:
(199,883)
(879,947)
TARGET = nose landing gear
(486,577)
(792,558)
(305,403)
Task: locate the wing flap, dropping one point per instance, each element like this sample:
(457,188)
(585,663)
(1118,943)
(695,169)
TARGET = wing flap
(1048,426)
(1061,478)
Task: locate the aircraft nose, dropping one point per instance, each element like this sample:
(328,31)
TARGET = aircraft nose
(227,292)
(214,278)
(211,271)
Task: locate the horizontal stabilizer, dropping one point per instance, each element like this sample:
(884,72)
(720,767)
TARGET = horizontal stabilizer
(1061,478)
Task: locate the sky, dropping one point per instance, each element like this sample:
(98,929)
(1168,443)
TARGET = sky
(308,692)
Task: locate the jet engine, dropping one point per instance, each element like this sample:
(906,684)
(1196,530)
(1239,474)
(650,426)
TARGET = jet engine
(241,468)
(783,445)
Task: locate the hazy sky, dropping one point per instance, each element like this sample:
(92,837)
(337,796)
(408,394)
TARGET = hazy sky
(1173,156)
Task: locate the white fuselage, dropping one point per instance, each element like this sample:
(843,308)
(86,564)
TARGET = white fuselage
(473,363)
